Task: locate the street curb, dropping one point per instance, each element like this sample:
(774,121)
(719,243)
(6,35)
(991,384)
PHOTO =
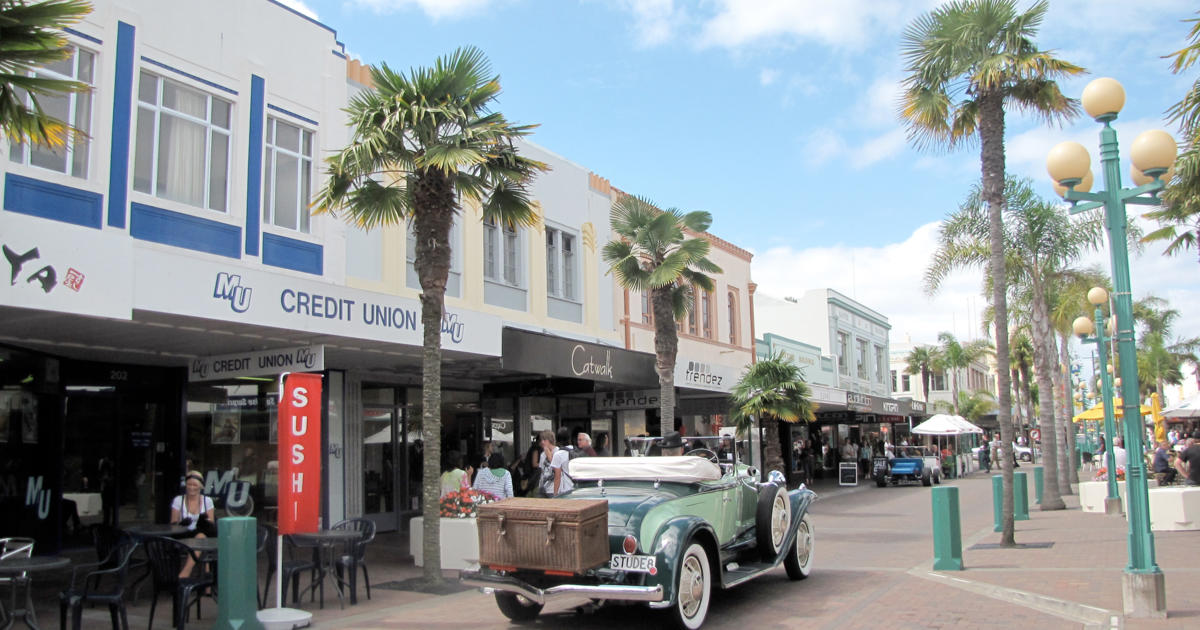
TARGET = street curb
(1090,616)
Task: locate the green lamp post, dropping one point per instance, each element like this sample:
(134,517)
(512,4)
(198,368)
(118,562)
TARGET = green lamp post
(1153,153)
(1084,327)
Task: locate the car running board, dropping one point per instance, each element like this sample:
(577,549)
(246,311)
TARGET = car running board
(745,572)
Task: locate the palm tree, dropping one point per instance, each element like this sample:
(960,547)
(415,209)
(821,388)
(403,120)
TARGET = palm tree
(966,61)
(1021,362)
(653,252)
(975,405)
(1179,216)
(422,141)
(1040,239)
(772,390)
(955,357)
(921,360)
(1161,356)
(31,37)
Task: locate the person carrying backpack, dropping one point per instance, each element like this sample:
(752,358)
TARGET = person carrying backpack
(555,479)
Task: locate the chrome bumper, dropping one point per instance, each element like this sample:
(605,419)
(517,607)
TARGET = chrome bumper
(615,592)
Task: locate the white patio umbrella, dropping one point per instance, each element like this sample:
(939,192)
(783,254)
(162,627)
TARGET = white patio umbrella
(947,425)
(1189,408)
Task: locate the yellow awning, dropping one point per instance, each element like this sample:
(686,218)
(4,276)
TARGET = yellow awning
(1097,412)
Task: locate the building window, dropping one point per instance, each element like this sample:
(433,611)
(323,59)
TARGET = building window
(939,381)
(843,350)
(894,383)
(691,317)
(647,314)
(287,175)
(561,275)
(905,382)
(861,346)
(880,366)
(706,314)
(182,150)
(74,108)
(502,253)
(734,322)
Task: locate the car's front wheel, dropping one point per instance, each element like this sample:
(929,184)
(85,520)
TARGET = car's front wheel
(1026,457)
(693,588)
(926,478)
(772,521)
(516,607)
(799,561)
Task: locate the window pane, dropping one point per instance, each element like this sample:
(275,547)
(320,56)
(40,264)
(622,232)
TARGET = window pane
(57,106)
(83,122)
(16,152)
(268,162)
(489,250)
(286,186)
(220,113)
(511,258)
(305,184)
(86,61)
(64,67)
(410,237)
(219,172)
(551,263)
(143,163)
(287,136)
(182,99)
(148,89)
(181,160)
(307,143)
(568,270)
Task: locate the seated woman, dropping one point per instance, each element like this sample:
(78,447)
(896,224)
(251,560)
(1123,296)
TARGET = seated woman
(194,511)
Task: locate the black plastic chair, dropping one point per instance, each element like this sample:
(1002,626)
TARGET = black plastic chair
(355,554)
(167,558)
(104,583)
(292,567)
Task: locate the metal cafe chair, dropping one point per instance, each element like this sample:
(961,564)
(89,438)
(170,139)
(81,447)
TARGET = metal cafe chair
(103,584)
(13,547)
(293,567)
(166,562)
(355,555)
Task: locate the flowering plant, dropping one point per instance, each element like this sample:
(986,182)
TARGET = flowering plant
(463,503)
(1102,474)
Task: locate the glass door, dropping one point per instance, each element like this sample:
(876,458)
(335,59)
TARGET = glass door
(385,495)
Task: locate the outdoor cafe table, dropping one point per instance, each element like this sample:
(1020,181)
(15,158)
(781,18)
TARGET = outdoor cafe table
(13,567)
(327,541)
(158,529)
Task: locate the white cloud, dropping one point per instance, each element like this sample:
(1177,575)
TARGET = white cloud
(847,24)
(825,145)
(767,76)
(879,148)
(435,9)
(654,20)
(878,104)
(299,7)
(889,280)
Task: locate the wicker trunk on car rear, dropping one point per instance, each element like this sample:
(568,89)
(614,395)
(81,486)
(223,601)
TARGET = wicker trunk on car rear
(544,534)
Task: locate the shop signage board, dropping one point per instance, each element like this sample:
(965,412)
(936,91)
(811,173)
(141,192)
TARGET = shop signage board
(848,474)
(916,407)
(257,363)
(705,375)
(55,266)
(300,454)
(181,284)
(556,356)
(828,398)
(858,402)
(628,399)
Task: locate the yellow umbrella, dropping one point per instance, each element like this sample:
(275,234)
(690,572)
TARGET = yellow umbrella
(1097,412)
(1160,424)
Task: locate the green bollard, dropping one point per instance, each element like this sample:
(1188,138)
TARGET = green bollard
(998,503)
(1020,497)
(1038,481)
(947,530)
(237,574)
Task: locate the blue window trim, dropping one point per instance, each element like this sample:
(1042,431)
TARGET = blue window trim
(285,112)
(39,198)
(289,253)
(188,75)
(254,163)
(168,227)
(118,162)
(76,33)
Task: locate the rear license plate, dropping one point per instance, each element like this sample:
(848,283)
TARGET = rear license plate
(635,564)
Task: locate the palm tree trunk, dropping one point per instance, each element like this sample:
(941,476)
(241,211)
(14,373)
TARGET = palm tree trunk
(1064,359)
(666,347)
(1064,450)
(991,137)
(1045,357)
(925,382)
(1026,386)
(432,262)
(773,449)
(1020,420)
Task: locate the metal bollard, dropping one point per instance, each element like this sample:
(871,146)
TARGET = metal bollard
(1020,497)
(237,574)
(998,503)
(947,530)
(1038,482)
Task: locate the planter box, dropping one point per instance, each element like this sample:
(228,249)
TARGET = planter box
(459,544)
(544,534)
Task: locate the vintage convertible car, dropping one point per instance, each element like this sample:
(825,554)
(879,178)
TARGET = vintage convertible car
(678,527)
(911,464)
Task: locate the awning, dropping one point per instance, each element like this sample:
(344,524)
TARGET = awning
(944,424)
(1097,412)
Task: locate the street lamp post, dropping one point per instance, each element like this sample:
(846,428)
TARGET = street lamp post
(1084,327)
(1152,153)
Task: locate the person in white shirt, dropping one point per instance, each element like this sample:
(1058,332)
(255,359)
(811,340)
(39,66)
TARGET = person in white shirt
(1119,454)
(555,479)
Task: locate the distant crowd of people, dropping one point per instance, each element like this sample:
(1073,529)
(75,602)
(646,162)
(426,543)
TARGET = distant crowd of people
(541,471)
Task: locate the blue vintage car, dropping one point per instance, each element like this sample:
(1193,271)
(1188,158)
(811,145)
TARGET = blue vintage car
(678,527)
(911,464)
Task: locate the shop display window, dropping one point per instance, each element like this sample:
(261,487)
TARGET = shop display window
(232,437)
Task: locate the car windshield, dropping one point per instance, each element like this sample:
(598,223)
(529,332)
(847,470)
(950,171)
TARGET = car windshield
(726,448)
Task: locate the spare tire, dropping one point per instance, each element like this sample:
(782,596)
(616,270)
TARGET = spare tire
(772,521)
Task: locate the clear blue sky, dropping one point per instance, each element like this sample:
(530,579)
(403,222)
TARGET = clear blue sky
(778,117)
